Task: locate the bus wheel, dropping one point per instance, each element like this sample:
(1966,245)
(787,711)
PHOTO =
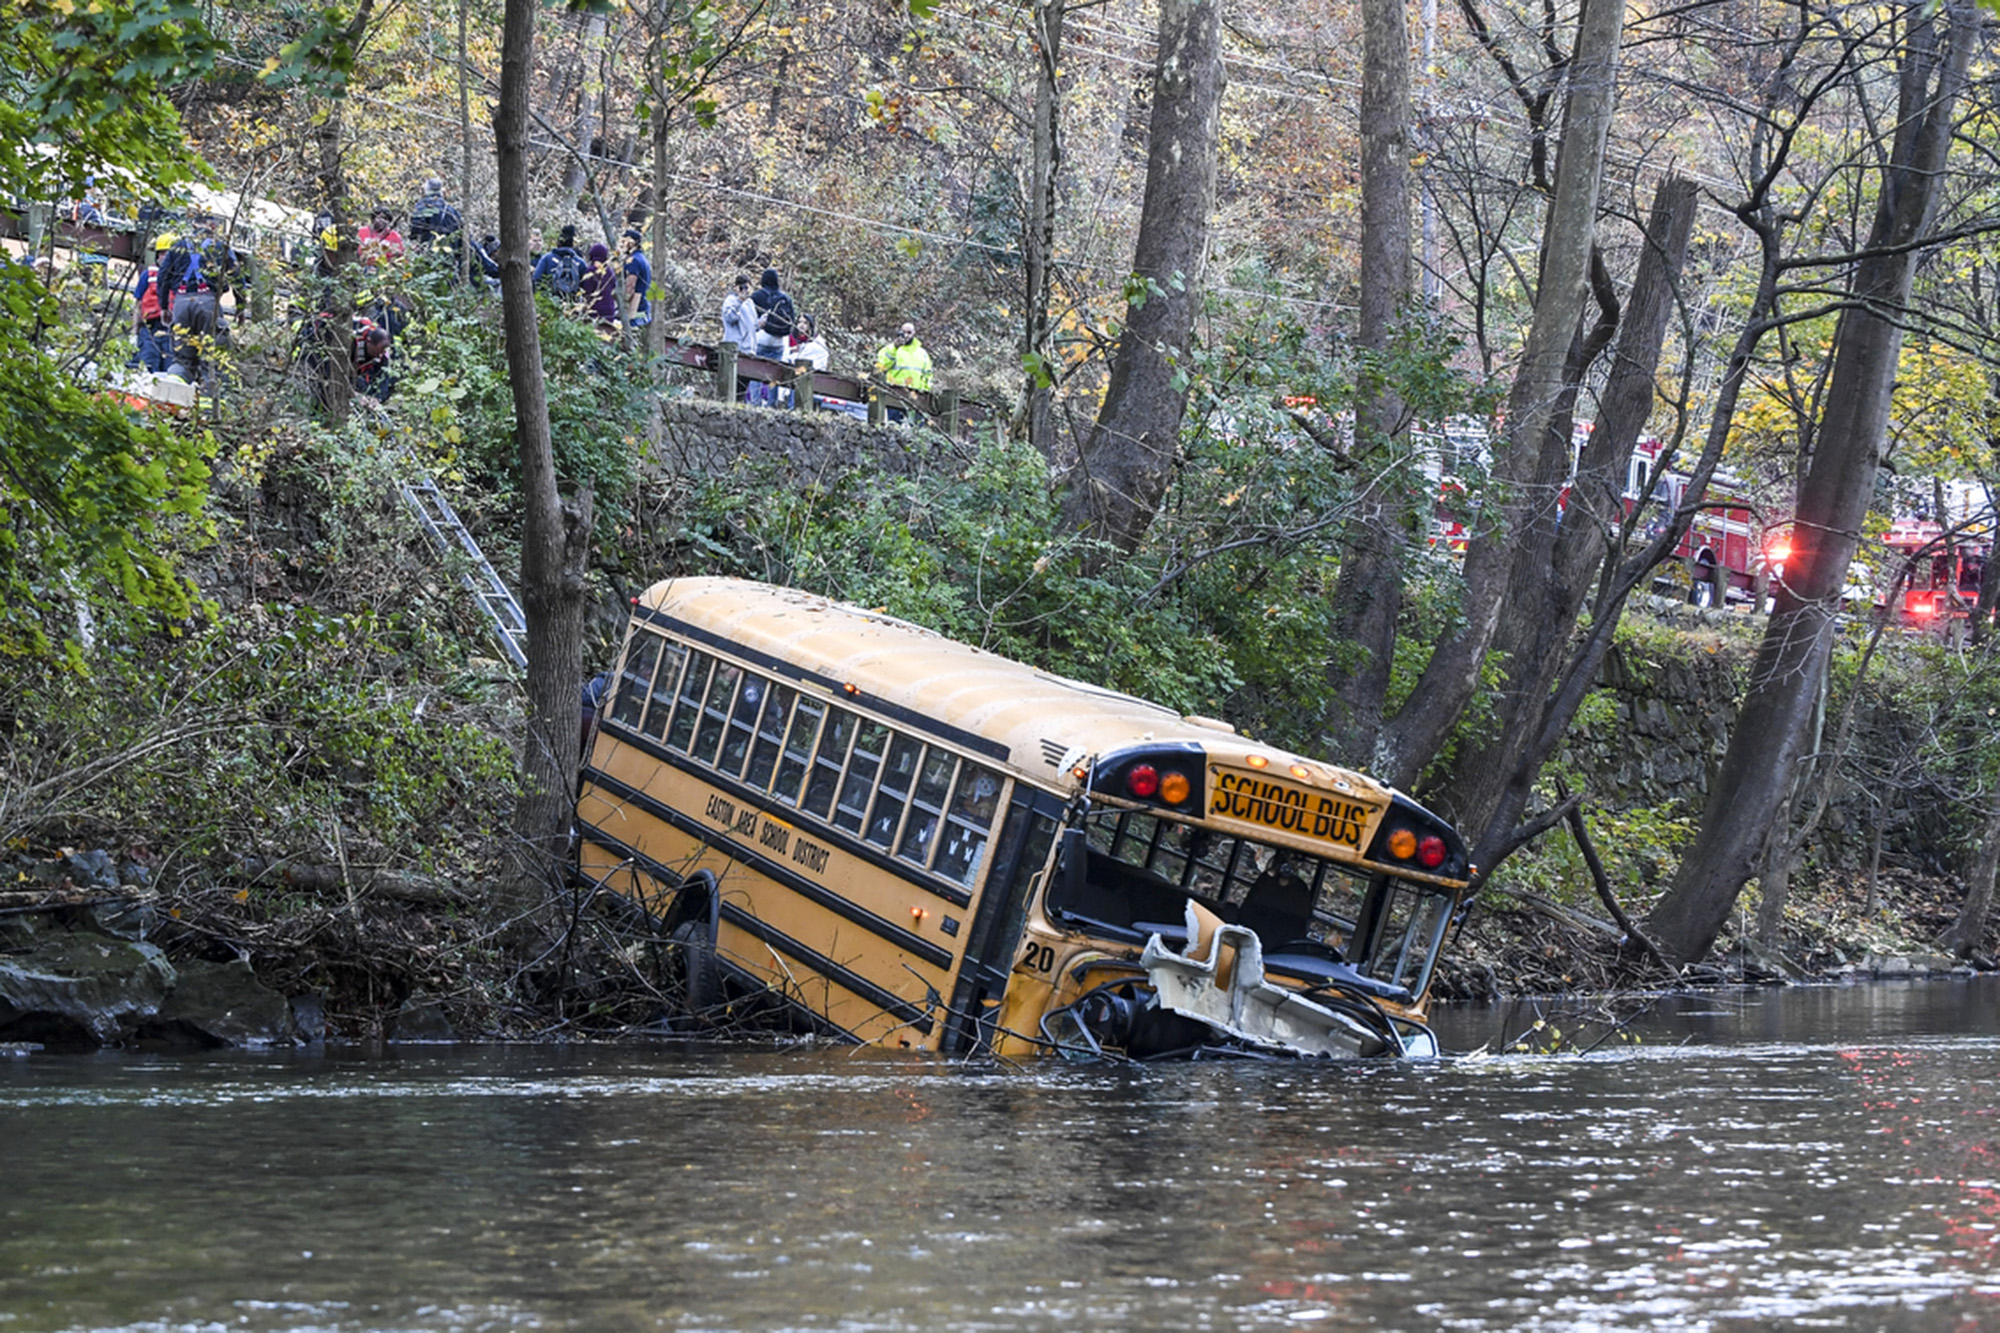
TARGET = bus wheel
(694,964)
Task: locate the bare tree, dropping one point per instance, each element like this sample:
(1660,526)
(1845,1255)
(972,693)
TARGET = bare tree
(1833,495)
(1376,542)
(1126,462)
(555,537)
(1532,455)
(1491,782)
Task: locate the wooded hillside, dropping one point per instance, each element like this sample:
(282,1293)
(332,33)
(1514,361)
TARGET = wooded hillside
(1322,343)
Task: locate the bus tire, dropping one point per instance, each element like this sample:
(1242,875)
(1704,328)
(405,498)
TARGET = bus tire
(694,955)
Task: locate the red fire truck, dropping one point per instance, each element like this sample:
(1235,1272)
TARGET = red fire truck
(1944,577)
(1723,546)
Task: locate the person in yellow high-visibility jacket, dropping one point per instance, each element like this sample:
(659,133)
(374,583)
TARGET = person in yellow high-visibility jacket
(904,362)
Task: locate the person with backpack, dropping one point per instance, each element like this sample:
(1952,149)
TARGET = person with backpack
(149,321)
(560,271)
(195,274)
(431,218)
(775,316)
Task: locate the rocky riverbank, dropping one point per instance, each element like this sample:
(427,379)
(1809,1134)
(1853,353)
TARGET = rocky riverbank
(91,956)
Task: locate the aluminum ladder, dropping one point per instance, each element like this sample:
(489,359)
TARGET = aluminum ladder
(475,571)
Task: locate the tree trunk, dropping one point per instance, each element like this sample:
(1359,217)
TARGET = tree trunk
(1038,228)
(576,177)
(1125,465)
(1833,499)
(1375,545)
(555,538)
(333,369)
(1536,426)
(656,332)
(464,154)
(1963,936)
(1492,783)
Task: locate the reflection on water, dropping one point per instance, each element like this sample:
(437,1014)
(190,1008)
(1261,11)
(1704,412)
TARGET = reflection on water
(1810,1158)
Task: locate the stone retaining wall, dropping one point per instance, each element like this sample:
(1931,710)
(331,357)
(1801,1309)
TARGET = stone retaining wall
(702,437)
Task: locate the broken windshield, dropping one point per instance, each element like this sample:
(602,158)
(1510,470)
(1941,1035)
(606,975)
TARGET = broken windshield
(1141,869)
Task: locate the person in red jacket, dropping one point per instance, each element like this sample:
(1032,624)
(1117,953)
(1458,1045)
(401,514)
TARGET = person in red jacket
(149,321)
(380,241)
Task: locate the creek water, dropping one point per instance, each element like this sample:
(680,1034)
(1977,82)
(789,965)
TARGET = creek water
(1806,1158)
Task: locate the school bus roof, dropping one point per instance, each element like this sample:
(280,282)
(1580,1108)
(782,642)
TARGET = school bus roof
(1040,718)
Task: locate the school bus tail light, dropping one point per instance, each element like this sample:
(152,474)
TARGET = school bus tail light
(1412,836)
(1166,776)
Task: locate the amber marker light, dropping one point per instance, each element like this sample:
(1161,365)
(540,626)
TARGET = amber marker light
(851,688)
(1174,788)
(1402,844)
(918,914)
(1258,761)
(1301,771)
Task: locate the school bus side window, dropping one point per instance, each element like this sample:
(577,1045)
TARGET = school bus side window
(770,734)
(636,680)
(927,805)
(687,711)
(743,723)
(828,761)
(968,824)
(869,743)
(798,748)
(665,681)
(1412,920)
(894,793)
(715,711)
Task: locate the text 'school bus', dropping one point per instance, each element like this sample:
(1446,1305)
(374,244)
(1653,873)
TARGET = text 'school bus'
(919,844)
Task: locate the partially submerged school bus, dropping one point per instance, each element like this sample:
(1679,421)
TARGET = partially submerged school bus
(915,843)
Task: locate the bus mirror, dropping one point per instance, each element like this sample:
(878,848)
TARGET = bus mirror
(1075,862)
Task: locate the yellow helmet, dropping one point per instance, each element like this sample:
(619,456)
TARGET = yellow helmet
(164,240)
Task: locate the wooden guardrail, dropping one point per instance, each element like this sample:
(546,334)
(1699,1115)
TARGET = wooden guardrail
(733,373)
(33,223)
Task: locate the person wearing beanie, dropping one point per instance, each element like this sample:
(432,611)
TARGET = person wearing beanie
(600,288)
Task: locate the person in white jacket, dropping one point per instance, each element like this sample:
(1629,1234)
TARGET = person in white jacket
(807,349)
(739,316)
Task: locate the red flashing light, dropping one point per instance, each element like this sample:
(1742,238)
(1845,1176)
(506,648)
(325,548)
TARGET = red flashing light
(1430,851)
(1143,781)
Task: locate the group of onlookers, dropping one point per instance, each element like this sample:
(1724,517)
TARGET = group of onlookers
(763,321)
(180,317)
(610,294)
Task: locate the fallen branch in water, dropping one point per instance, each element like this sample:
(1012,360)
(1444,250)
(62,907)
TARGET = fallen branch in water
(1581,833)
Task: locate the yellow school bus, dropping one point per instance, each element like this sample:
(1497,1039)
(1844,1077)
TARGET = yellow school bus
(911,842)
